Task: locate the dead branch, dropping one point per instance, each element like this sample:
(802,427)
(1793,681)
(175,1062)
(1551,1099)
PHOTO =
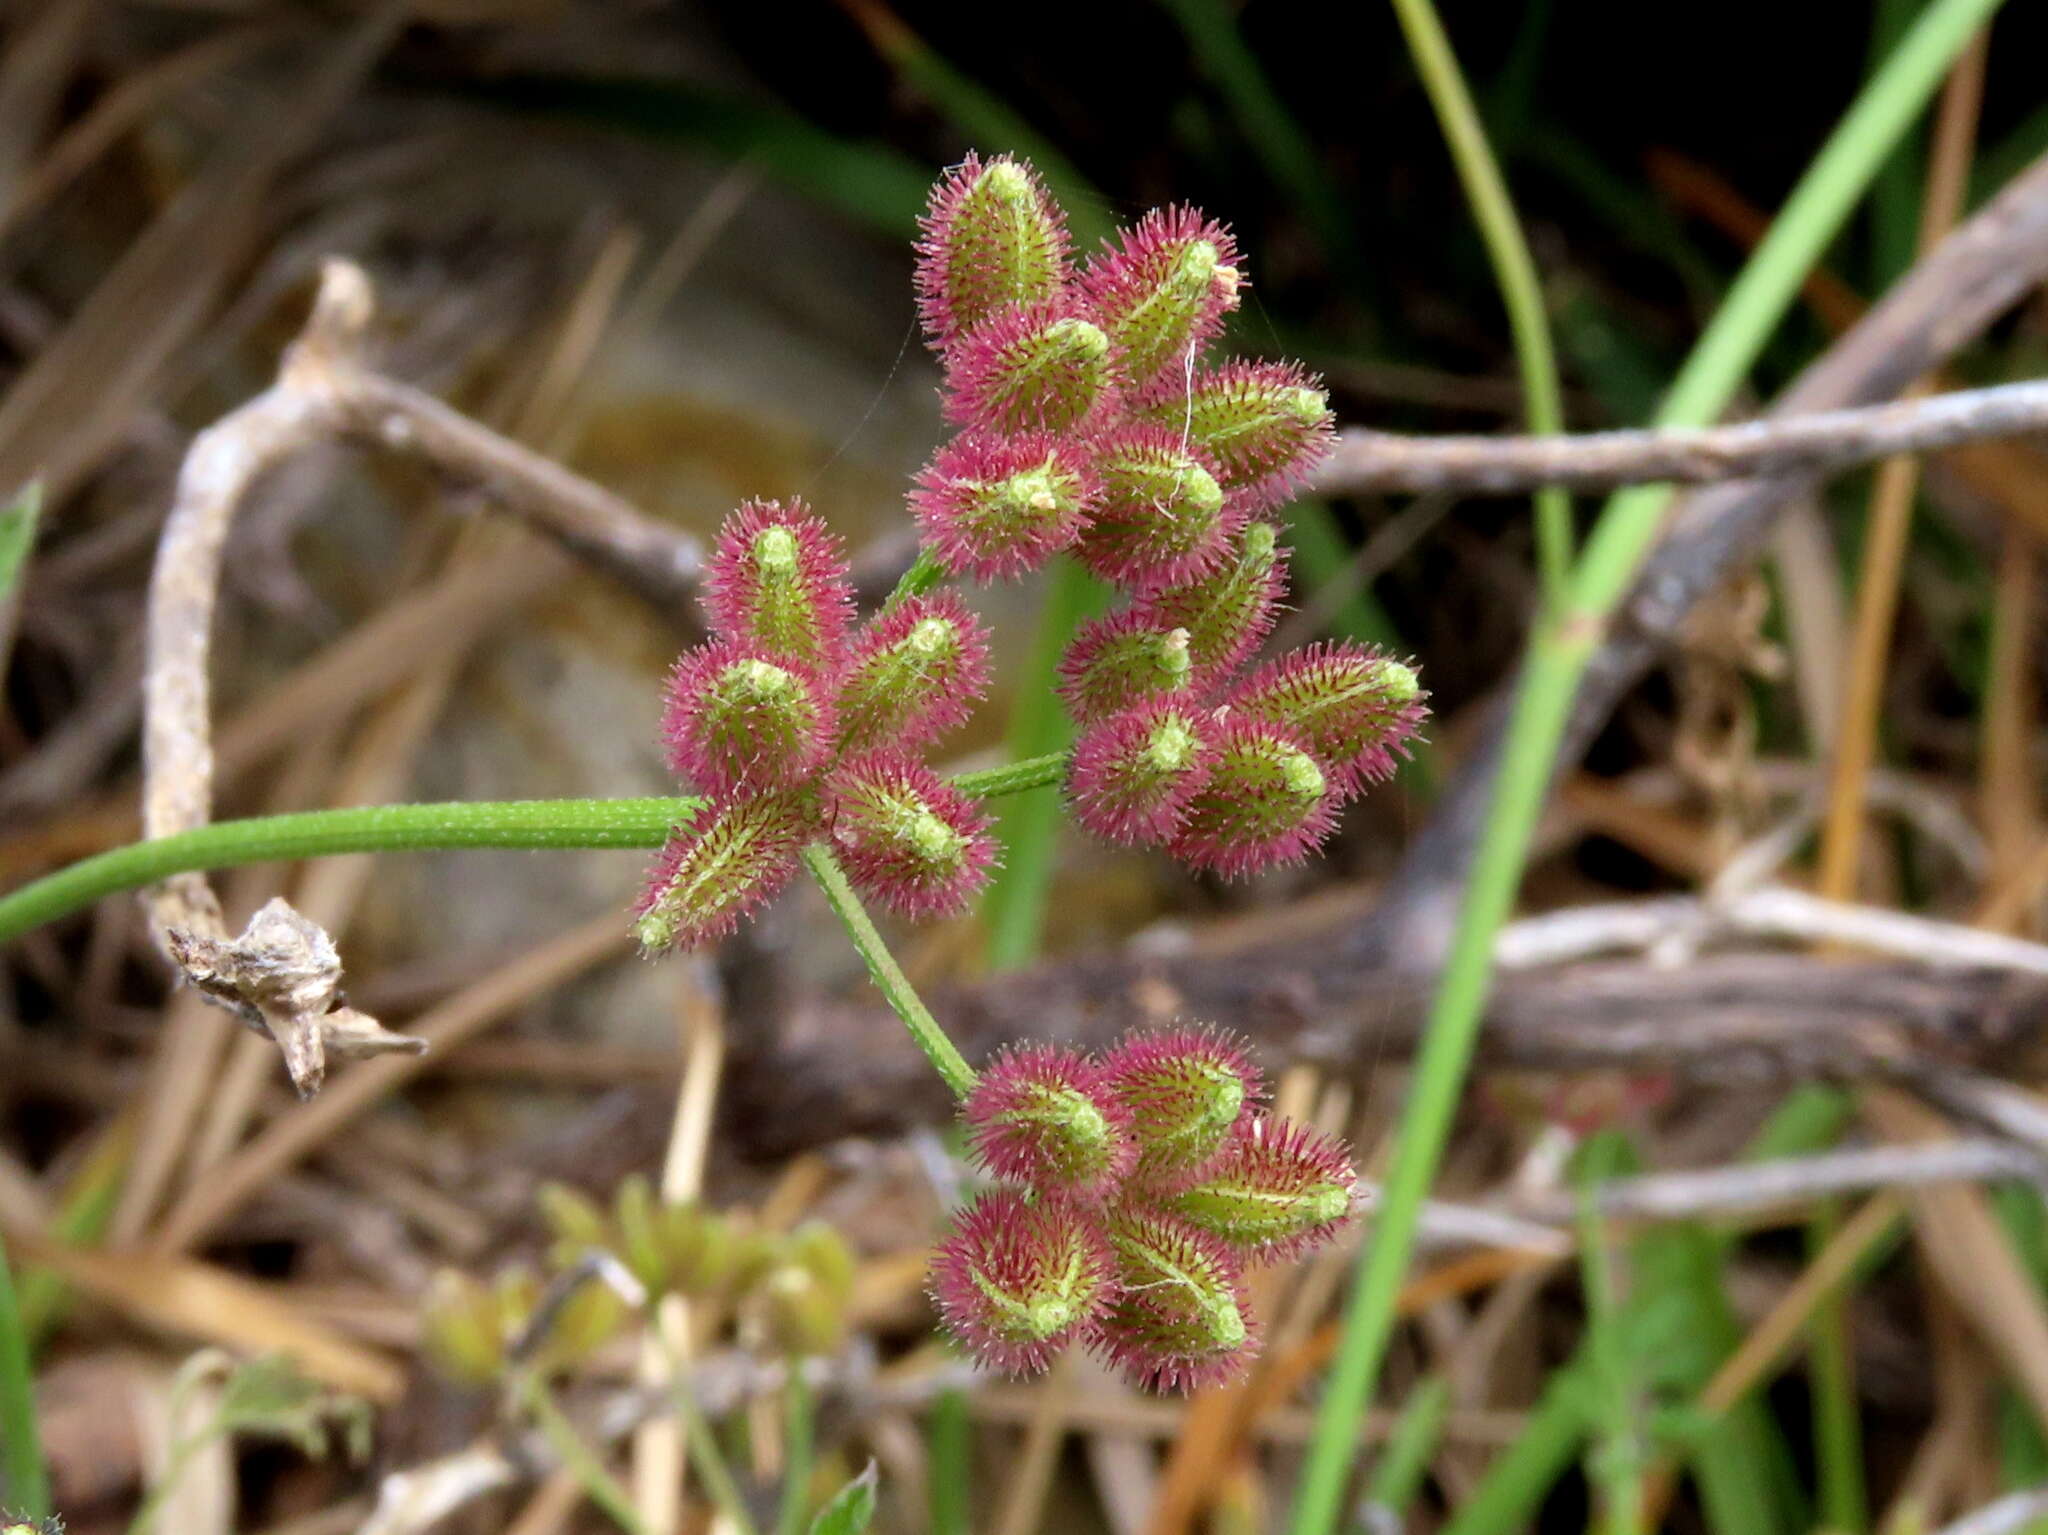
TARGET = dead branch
(1992,261)
(1824,443)
(844,1068)
(1753,1187)
(282,976)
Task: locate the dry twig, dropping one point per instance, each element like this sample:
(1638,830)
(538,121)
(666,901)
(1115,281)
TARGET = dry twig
(1822,443)
(282,976)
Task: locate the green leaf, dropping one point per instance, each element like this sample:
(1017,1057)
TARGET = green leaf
(852,1507)
(17,532)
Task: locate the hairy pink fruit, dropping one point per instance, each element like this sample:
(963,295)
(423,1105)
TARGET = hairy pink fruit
(1354,708)
(1279,1190)
(1134,773)
(1161,518)
(915,673)
(1180,1318)
(991,506)
(1161,292)
(1226,613)
(907,837)
(739,720)
(1043,1115)
(1267,802)
(1017,1280)
(719,868)
(993,239)
(1121,660)
(1266,425)
(777,579)
(1041,367)
(1187,1090)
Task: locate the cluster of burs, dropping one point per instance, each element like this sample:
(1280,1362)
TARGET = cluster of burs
(1136,1188)
(1091,422)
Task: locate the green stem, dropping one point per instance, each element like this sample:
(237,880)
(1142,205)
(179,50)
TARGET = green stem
(21,1450)
(580,1460)
(1559,652)
(797,1448)
(888,976)
(534,823)
(925,572)
(1514,270)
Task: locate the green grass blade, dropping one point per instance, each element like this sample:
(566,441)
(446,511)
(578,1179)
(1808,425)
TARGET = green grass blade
(1404,1461)
(1013,909)
(1559,654)
(18,520)
(21,1450)
(1282,145)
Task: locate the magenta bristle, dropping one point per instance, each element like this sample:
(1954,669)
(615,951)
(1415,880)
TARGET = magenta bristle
(992,506)
(913,675)
(1044,1115)
(801,613)
(1133,774)
(719,869)
(908,839)
(1032,367)
(1126,281)
(1181,1318)
(1353,707)
(1016,1281)
(969,266)
(740,719)
(1161,518)
(1266,803)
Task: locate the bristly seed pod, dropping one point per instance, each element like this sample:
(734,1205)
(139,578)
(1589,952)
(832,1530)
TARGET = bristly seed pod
(1267,426)
(1045,367)
(1161,518)
(778,578)
(1187,1091)
(1121,660)
(1162,292)
(993,239)
(1354,708)
(1043,1115)
(907,837)
(1267,802)
(1016,1281)
(914,673)
(1134,773)
(709,876)
(1225,613)
(738,719)
(1180,1318)
(1280,1189)
(992,506)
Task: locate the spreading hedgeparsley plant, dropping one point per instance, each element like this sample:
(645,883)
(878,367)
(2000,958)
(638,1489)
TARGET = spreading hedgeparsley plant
(1131,1191)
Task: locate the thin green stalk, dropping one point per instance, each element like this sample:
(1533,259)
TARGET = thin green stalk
(1616,1463)
(21,1449)
(1837,1424)
(951,1437)
(924,573)
(580,1460)
(533,823)
(1559,652)
(797,1454)
(887,975)
(707,1459)
(1397,1474)
(1514,270)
